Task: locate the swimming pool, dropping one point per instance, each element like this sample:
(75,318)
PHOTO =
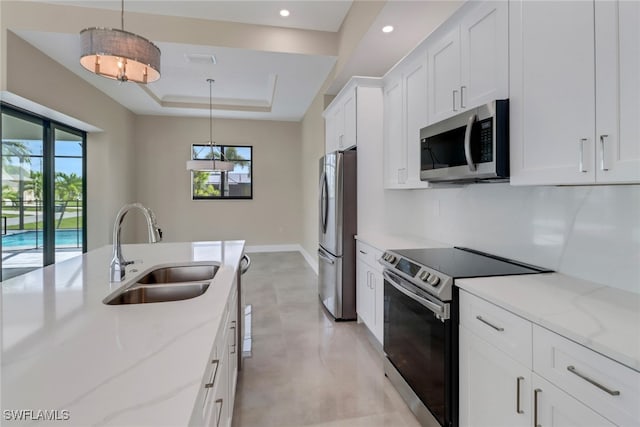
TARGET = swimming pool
(29,239)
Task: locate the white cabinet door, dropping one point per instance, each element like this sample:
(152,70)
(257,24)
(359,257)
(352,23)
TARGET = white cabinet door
(348,139)
(365,295)
(617,26)
(395,149)
(552,92)
(444,76)
(377,283)
(484,44)
(494,388)
(232,348)
(331,130)
(415,104)
(555,408)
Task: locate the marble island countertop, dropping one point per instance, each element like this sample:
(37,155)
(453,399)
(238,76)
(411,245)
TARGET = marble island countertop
(602,318)
(140,364)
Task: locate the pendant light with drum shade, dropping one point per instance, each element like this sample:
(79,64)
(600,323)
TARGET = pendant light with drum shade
(119,54)
(211,165)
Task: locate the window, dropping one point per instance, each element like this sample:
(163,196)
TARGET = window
(235,184)
(43,191)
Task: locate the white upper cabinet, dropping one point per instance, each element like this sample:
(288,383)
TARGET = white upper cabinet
(340,122)
(405,113)
(468,61)
(395,148)
(484,35)
(573,122)
(444,76)
(617,91)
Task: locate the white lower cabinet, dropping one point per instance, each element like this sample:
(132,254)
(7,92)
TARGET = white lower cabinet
(369,289)
(494,388)
(563,384)
(214,407)
(555,408)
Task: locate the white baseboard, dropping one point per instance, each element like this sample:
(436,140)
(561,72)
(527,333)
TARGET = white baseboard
(272,248)
(312,261)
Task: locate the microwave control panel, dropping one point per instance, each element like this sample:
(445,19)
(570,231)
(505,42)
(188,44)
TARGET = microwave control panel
(486,140)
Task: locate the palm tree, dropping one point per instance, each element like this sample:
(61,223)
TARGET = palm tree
(15,149)
(68,187)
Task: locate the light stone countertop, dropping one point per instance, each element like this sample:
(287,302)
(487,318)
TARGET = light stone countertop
(136,364)
(602,318)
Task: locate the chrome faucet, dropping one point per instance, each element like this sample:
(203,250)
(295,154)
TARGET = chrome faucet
(118,263)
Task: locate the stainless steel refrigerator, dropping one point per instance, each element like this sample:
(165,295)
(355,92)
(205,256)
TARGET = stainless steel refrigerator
(337,229)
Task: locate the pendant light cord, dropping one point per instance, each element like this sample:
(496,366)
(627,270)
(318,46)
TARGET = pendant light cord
(122,15)
(213,155)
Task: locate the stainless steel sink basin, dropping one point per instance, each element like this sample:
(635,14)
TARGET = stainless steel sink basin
(182,273)
(158,293)
(166,283)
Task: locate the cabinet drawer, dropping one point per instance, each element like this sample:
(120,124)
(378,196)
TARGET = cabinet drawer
(609,388)
(369,254)
(499,327)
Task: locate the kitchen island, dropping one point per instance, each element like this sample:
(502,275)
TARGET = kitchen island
(67,353)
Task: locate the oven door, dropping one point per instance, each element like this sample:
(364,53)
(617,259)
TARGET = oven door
(418,343)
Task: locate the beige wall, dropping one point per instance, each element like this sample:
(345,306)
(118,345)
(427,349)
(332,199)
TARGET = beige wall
(109,159)
(162,182)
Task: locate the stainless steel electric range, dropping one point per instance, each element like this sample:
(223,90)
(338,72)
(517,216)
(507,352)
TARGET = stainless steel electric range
(421,323)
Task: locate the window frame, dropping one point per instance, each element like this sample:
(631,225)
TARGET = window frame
(222,148)
(49,127)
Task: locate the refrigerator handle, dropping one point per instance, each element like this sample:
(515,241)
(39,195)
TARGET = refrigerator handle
(324,205)
(324,257)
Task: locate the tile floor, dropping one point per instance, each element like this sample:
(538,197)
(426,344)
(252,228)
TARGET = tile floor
(305,369)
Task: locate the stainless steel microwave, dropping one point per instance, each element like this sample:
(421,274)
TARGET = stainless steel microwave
(471,146)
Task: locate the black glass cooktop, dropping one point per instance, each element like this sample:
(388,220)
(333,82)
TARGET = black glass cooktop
(460,263)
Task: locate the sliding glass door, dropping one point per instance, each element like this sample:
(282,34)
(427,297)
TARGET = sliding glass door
(43,192)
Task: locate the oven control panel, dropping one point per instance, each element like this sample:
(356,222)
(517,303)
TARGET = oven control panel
(426,278)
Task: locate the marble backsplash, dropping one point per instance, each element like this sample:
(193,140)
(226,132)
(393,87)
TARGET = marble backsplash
(590,232)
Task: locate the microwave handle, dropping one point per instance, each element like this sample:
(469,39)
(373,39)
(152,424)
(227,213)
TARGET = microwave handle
(467,143)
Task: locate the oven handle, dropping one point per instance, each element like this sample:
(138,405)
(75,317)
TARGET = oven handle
(467,143)
(440,310)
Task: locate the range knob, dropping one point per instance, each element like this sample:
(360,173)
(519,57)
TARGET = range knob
(392,258)
(424,276)
(433,280)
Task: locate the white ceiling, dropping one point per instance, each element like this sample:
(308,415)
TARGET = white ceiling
(252,84)
(306,14)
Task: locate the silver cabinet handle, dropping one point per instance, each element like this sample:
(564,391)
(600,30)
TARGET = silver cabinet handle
(581,165)
(454,100)
(362,252)
(221,402)
(497,328)
(462,88)
(234,336)
(602,165)
(467,143)
(574,371)
(215,373)
(518,409)
(535,407)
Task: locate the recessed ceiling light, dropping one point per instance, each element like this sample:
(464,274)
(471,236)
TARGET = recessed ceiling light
(284,13)
(387,28)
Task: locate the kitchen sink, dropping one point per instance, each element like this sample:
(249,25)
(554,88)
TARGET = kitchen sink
(158,293)
(166,283)
(175,274)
